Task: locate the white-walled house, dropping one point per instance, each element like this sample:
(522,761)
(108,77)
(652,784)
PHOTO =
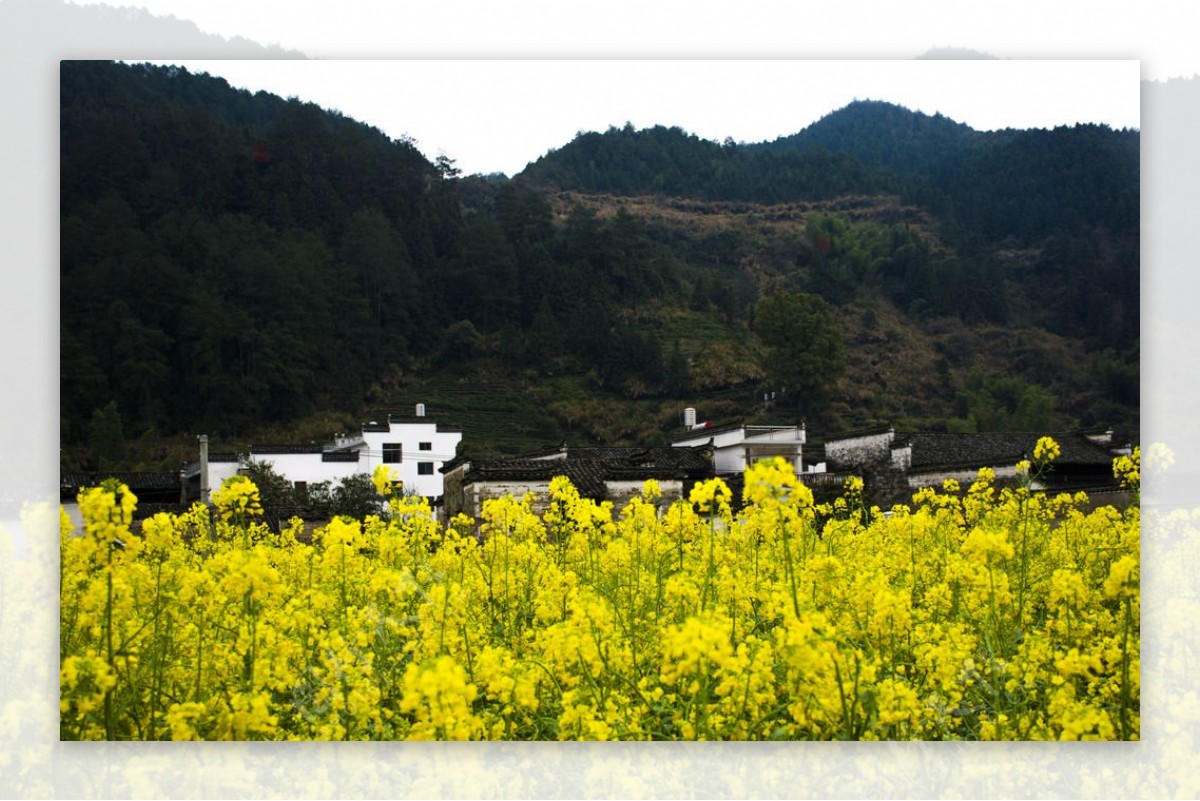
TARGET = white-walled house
(305,464)
(414,449)
(894,464)
(854,449)
(222,466)
(737,447)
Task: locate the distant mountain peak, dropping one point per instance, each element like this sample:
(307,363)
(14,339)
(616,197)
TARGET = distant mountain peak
(955,54)
(35,28)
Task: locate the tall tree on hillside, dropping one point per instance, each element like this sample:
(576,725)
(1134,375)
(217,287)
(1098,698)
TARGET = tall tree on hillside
(480,283)
(805,355)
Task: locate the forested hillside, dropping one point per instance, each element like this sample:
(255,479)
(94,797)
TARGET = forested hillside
(259,268)
(1070,194)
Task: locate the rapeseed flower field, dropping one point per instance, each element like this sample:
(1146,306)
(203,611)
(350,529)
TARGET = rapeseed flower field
(976,613)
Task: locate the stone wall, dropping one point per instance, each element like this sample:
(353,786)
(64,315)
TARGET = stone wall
(622,492)
(469,499)
(854,451)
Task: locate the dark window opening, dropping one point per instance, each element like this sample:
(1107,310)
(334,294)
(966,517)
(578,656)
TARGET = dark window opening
(391,453)
(425,469)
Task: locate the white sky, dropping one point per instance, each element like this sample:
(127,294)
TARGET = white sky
(1159,32)
(499,115)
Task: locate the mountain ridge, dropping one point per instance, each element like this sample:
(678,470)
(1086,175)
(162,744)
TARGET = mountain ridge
(260,268)
(872,146)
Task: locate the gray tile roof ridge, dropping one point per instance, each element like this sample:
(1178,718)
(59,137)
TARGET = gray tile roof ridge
(946,448)
(866,431)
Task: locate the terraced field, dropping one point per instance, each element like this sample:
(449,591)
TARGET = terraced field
(495,415)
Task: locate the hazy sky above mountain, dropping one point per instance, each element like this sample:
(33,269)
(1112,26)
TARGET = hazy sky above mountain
(477,103)
(498,115)
(1159,32)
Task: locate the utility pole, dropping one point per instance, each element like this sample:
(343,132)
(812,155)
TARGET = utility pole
(203,467)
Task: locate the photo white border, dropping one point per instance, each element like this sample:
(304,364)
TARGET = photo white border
(34,764)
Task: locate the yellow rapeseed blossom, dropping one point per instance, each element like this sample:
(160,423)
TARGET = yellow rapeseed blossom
(159,534)
(775,478)
(438,696)
(83,682)
(185,719)
(1127,469)
(107,511)
(709,496)
(1122,579)
(237,499)
(382,479)
(1046,449)
(988,545)
(995,614)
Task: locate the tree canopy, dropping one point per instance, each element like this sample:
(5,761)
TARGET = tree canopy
(805,352)
(235,262)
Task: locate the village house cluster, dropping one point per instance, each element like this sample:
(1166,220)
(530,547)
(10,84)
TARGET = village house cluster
(414,449)
(423,458)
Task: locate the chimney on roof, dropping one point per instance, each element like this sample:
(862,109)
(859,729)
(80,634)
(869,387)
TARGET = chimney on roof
(420,410)
(689,418)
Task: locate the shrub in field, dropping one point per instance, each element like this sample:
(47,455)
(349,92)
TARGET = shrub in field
(976,613)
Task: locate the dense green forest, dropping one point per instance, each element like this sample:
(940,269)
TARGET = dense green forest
(258,268)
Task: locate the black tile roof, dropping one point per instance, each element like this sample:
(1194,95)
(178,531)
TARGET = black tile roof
(590,467)
(587,476)
(936,449)
(148,485)
(697,458)
(134,479)
(870,431)
(558,452)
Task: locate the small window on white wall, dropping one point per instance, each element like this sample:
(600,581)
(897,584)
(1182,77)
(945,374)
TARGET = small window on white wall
(425,468)
(392,453)
(425,446)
